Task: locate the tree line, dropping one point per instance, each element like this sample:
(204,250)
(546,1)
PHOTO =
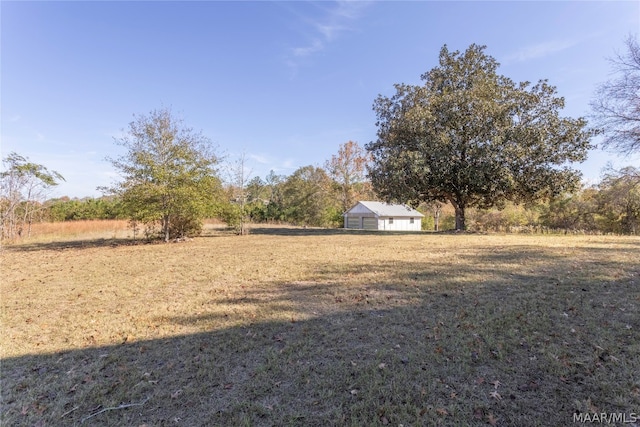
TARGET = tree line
(497,152)
(310,197)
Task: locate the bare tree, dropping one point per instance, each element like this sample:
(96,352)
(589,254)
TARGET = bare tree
(616,106)
(240,175)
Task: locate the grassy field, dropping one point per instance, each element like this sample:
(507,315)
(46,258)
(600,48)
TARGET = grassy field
(320,327)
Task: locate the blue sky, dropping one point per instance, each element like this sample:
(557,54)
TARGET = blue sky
(284,82)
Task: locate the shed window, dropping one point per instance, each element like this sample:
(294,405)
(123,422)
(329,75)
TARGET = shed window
(410,220)
(390,220)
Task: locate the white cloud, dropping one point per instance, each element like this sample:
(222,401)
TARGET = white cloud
(327,29)
(330,32)
(267,163)
(540,50)
(260,158)
(316,46)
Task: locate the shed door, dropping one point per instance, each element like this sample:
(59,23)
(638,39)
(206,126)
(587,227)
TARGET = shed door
(370,223)
(353,222)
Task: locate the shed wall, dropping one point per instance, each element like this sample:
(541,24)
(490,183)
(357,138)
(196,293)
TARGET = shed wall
(400,224)
(371,222)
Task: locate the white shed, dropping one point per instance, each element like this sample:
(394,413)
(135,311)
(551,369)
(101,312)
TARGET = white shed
(382,216)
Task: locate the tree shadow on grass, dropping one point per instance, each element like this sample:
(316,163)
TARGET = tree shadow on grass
(76,244)
(409,345)
(60,245)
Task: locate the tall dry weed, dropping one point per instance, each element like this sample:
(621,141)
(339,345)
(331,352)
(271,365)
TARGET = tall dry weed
(48,231)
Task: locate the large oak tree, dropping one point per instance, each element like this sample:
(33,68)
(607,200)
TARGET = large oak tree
(474,138)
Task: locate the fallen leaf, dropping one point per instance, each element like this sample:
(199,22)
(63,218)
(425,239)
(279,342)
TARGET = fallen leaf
(478,413)
(354,392)
(228,386)
(382,366)
(495,395)
(496,383)
(176,393)
(532,386)
(491,419)
(442,411)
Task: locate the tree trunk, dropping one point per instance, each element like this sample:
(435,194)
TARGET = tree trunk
(436,217)
(460,220)
(165,228)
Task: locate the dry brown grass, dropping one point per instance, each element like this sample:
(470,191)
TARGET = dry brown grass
(321,327)
(77,230)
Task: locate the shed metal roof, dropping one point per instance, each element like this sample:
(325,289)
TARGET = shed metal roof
(387,209)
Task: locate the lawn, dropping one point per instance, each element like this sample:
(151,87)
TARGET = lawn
(321,327)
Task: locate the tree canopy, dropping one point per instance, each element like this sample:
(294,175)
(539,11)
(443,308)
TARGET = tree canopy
(472,137)
(169,175)
(619,200)
(307,197)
